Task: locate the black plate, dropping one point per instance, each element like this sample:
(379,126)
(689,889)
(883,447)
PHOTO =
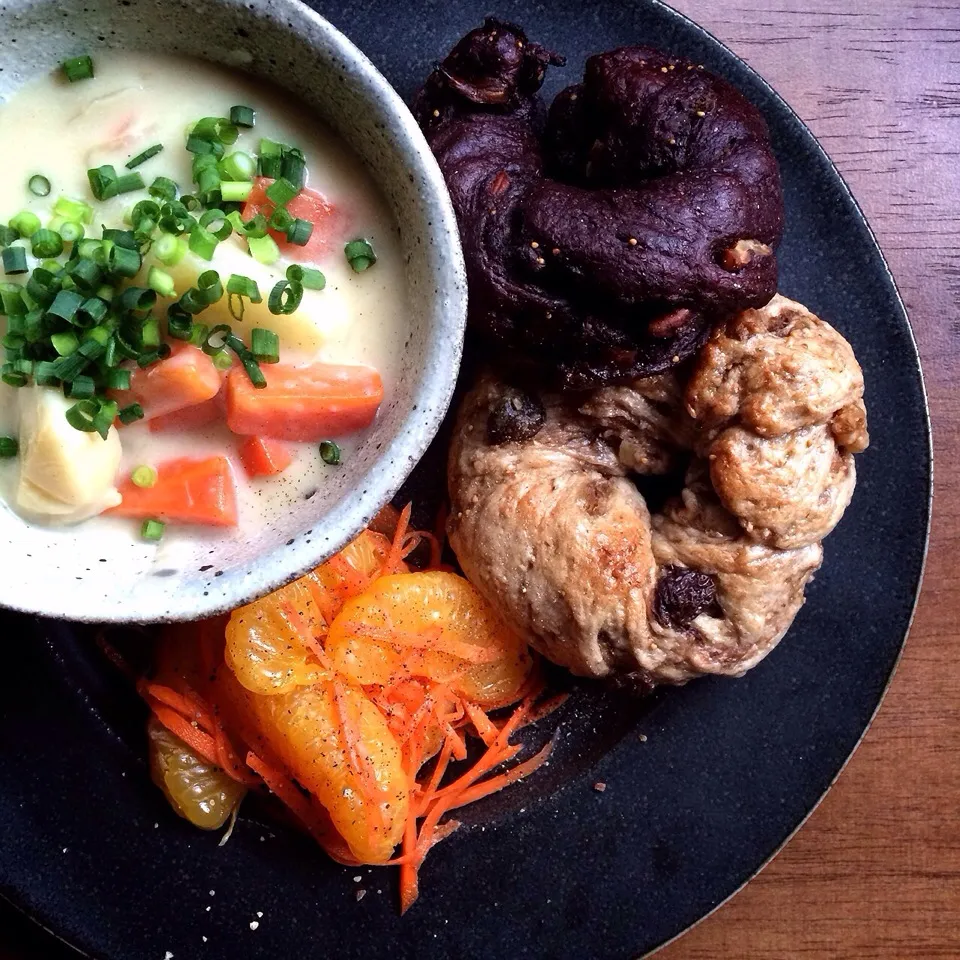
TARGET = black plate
(553,868)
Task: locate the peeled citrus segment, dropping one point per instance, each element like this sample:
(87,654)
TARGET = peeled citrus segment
(434,625)
(272,643)
(350,572)
(197,790)
(337,745)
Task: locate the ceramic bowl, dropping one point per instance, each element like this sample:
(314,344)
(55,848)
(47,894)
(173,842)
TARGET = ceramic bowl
(65,573)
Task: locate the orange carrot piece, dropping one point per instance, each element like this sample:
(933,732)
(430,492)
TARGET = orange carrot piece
(194,417)
(186,491)
(308,403)
(392,562)
(486,729)
(264,457)
(200,743)
(186,378)
(494,784)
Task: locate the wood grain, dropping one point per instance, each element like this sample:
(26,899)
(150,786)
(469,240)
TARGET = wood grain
(875,873)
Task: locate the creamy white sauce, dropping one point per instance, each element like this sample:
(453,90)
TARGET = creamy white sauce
(136,100)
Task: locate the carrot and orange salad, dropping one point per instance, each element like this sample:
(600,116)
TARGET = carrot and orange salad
(350,694)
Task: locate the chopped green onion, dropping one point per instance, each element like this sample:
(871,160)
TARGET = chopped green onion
(150,335)
(170,250)
(122,238)
(8,235)
(65,305)
(117,378)
(14,260)
(145,156)
(243,116)
(293,168)
(202,243)
(82,415)
(248,360)
(210,286)
(152,356)
(65,343)
(285,297)
(131,413)
(124,262)
(163,188)
(39,185)
(222,360)
(330,452)
(71,231)
(11,300)
(81,388)
(78,68)
(145,210)
(129,182)
(161,281)
(70,209)
(180,324)
(299,232)
(46,243)
(265,345)
(270,148)
(26,223)
(253,229)
(244,287)
(264,249)
(270,167)
(152,530)
(235,191)
(281,191)
(238,166)
(91,312)
(11,377)
(203,147)
(103,181)
(216,128)
(215,222)
(190,202)
(360,255)
(310,278)
(144,476)
(8,447)
(85,273)
(137,300)
(215,340)
(199,333)
(281,219)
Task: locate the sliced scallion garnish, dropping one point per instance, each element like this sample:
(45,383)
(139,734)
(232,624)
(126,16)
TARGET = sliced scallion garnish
(330,452)
(144,476)
(235,191)
(144,156)
(202,243)
(71,231)
(243,116)
(285,297)
(26,223)
(70,209)
(46,243)
(163,188)
(264,249)
(161,281)
(131,413)
(78,68)
(360,255)
(299,232)
(265,345)
(310,278)
(281,191)
(238,166)
(152,530)
(39,185)
(14,260)
(244,287)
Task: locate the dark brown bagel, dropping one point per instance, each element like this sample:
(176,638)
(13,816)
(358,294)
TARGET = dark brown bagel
(603,242)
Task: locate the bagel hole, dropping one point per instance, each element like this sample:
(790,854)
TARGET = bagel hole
(659,489)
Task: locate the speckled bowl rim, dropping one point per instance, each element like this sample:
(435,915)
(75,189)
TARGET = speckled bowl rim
(433,393)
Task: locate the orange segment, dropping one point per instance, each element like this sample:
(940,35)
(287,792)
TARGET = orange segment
(270,641)
(434,625)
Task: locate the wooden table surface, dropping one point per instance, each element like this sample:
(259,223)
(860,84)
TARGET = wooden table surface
(875,873)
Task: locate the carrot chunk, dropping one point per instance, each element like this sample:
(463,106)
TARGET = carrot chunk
(263,457)
(185,378)
(186,491)
(304,403)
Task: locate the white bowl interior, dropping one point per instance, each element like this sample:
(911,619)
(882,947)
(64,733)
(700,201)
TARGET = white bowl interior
(67,573)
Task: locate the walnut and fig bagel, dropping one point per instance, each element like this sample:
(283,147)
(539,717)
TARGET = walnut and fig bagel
(605,237)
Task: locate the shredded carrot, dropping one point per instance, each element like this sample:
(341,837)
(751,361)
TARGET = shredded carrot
(392,563)
(502,780)
(311,642)
(115,656)
(486,729)
(202,744)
